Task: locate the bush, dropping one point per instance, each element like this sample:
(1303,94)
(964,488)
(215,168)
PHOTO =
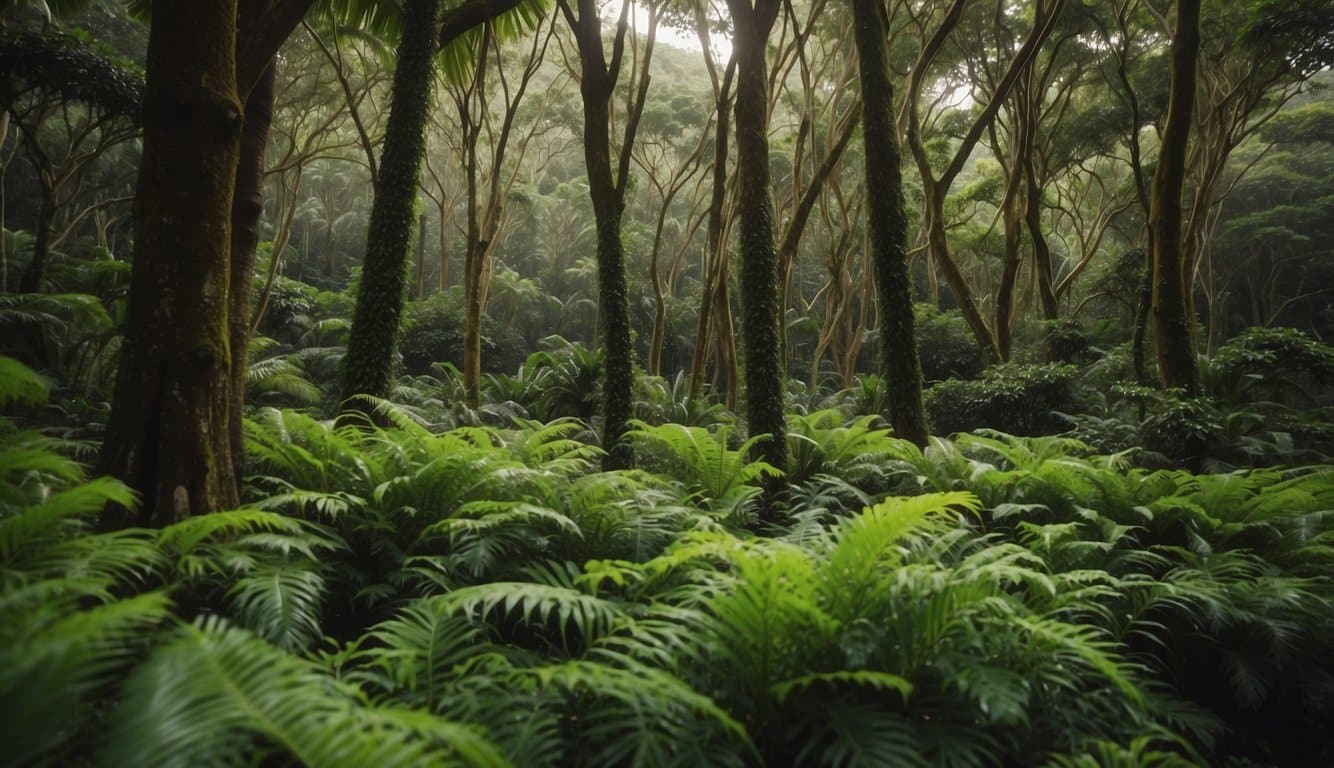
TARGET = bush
(946,345)
(432,333)
(1019,399)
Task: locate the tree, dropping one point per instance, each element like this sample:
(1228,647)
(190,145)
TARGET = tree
(1172,323)
(168,436)
(487,187)
(761,312)
(368,366)
(606,189)
(936,185)
(888,225)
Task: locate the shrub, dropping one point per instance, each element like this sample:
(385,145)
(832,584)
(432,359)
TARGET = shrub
(1019,399)
(946,345)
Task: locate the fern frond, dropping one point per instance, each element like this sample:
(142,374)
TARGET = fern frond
(216,695)
(280,603)
(537,606)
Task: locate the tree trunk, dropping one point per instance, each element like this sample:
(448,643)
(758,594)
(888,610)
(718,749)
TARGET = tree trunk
(1172,325)
(35,273)
(596,85)
(168,435)
(247,210)
(714,247)
(761,314)
(368,367)
(888,224)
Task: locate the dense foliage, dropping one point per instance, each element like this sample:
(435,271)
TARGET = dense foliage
(483,595)
(467,527)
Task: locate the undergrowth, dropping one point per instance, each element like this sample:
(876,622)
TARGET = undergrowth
(423,595)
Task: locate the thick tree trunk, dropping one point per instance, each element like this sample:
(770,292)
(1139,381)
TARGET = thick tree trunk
(247,210)
(368,367)
(888,225)
(761,314)
(1172,323)
(168,434)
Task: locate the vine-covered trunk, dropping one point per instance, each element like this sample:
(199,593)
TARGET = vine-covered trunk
(596,83)
(1172,324)
(888,225)
(368,367)
(168,435)
(761,314)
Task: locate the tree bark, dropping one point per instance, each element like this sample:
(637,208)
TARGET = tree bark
(606,189)
(167,436)
(247,210)
(761,314)
(888,225)
(368,367)
(1172,324)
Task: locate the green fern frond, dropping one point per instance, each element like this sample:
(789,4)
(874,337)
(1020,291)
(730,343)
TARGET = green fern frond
(1085,644)
(864,544)
(419,651)
(216,695)
(538,606)
(647,717)
(881,681)
(21,384)
(280,603)
(21,534)
(49,673)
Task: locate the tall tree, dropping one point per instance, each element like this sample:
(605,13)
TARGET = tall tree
(761,313)
(888,224)
(368,366)
(167,436)
(1172,321)
(936,186)
(606,188)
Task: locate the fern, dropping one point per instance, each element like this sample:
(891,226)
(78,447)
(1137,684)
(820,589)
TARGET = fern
(549,611)
(215,695)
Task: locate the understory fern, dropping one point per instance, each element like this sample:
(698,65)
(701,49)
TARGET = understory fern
(405,595)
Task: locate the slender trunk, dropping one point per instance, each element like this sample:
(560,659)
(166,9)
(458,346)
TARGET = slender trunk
(168,435)
(1010,262)
(714,250)
(1172,325)
(34,276)
(659,299)
(368,367)
(606,190)
(4,168)
(247,210)
(888,223)
(761,314)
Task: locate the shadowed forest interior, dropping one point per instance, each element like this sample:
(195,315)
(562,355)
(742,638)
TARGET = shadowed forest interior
(673,382)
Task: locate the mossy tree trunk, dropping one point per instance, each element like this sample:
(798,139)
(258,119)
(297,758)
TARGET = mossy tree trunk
(168,436)
(761,314)
(368,367)
(1172,324)
(888,225)
(606,188)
